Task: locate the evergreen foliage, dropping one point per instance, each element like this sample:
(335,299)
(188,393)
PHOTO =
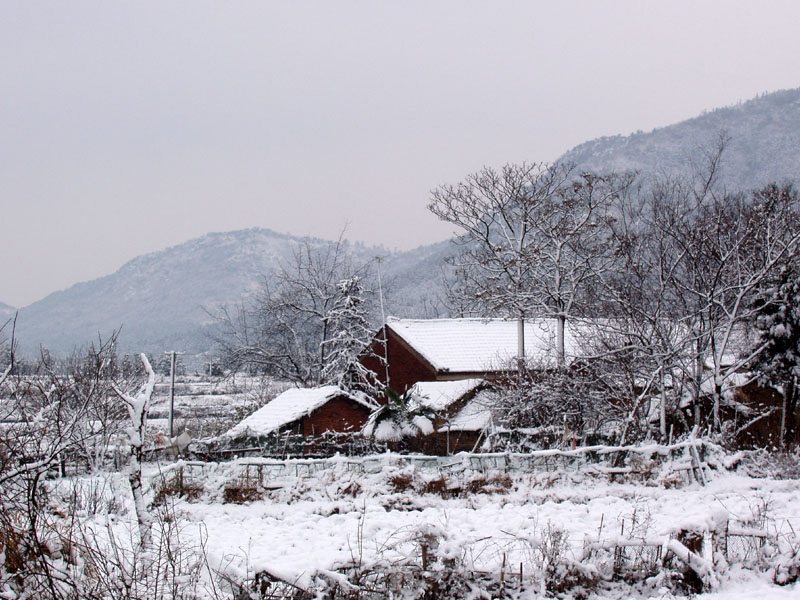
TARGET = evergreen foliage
(778,324)
(352,332)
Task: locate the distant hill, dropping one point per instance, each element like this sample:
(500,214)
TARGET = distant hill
(161,300)
(763,146)
(6,312)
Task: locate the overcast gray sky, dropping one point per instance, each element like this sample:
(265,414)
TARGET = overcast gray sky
(128,127)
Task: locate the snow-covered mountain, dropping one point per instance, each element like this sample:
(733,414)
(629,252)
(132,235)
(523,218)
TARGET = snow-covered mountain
(161,301)
(763,144)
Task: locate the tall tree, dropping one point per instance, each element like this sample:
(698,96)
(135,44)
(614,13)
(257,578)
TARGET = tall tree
(692,257)
(352,332)
(533,237)
(302,316)
(729,246)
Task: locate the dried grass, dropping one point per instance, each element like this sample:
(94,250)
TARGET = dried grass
(176,487)
(239,493)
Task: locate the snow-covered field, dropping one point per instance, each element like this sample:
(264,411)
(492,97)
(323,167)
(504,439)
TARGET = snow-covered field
(207,408)
(338,519)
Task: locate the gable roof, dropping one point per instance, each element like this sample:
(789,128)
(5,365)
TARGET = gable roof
(439,395)
(476,415)
(478,345)
(287,408)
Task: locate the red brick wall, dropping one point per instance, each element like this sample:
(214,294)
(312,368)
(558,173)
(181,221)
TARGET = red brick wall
(339,414)
(405,368)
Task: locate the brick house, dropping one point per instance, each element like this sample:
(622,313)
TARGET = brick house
(446,364)
(456,349)
(307,412)
(424,351)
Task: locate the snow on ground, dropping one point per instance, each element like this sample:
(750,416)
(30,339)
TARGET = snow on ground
(208,408)
(337,518)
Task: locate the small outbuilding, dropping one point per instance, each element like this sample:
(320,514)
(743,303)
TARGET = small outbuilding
(440,418)
(461,412)
(307,412)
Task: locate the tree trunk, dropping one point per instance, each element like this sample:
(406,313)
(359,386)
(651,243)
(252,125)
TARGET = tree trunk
(698,382)
(143,517)
(717,398)
(321,366)
(663,411)
(791,414)
(560,326)
(788,407)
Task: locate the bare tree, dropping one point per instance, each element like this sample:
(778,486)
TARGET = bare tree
(690,259)
(549,400)
(137,410)
(642,340)
(533,238)
(300,323)
(722,248)
(47,420)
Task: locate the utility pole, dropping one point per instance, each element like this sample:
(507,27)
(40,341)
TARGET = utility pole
(172,354)
(379,259)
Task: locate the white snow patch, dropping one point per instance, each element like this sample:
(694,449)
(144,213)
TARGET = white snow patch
(388,431)
(423,424)
(320,527)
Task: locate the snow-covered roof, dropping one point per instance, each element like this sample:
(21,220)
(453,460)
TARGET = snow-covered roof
(474,416)
(438,395)
(479,345)
(287,408)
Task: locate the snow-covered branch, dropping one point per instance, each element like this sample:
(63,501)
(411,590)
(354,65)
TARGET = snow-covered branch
(137,410)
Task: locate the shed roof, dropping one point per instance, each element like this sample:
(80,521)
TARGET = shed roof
(438,395)
(479,345)
(287,408)
(476,415)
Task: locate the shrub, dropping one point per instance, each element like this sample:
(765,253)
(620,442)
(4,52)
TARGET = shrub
(176,486)
(438,486)
(240,493)
(401,482)
(491,484)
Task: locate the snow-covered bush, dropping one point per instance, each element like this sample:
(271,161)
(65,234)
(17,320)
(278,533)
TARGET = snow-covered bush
(399,418)
(778,362)
(766,464)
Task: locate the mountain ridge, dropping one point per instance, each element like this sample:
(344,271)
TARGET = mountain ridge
(162,299)
(763,144)
(165,299)
(6,312)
